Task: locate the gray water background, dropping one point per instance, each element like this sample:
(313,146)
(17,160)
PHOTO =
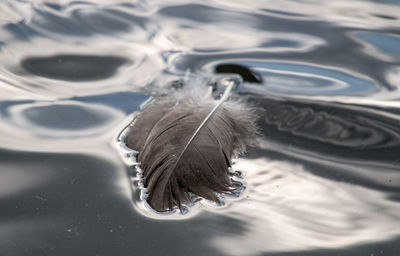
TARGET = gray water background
(323,180)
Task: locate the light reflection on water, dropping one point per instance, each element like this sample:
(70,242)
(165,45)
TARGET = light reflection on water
(289,209)
(325,175)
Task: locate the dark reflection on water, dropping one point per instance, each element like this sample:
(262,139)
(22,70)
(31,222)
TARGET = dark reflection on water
(64,117)
(73,67)
(324,178)
(247,74)
(350,143)
(350,127)
(60,203)
(127,101)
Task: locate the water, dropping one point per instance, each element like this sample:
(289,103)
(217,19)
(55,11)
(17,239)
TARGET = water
(323,180)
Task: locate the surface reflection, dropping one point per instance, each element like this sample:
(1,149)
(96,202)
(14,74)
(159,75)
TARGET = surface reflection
(73,67)
(60,50)
(79,19)
(356,13)
(65,119)
(349,143)
(323,180)
(288,209)
(332,123)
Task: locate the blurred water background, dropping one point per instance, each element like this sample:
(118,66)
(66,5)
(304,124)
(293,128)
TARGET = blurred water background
(323,180)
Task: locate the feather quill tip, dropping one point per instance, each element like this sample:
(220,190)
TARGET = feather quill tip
(186,141)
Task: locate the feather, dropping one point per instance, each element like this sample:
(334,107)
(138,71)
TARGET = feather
(186,142)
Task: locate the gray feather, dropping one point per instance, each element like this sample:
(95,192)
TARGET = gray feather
(186,142)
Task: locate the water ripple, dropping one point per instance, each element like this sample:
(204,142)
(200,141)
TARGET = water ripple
(73,67)
(324,176)
(285,78)
(78,19)
(57,120)
(288,209)
(198,33)
(385,46)
(334,125)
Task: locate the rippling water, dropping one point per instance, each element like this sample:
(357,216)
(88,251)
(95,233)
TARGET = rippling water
(323,180)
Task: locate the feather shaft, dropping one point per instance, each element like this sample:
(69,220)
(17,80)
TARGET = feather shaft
(224,97)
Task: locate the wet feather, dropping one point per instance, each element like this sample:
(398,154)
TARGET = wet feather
(186,142)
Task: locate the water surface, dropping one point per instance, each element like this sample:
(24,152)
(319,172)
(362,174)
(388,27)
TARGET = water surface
(323,180)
